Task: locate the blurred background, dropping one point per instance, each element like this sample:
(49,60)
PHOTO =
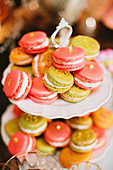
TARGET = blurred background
(88,17)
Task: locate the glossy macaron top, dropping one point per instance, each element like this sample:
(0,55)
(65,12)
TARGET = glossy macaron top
(57,132)
(39,89)
(90,45)
(92,71)
(83,137)
(59,77)
(68,54)
(32,39)
(82,120)
(13,82)
(18,55)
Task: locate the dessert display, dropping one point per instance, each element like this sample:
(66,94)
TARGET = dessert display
(53,80)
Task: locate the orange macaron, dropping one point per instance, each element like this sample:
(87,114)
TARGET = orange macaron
(103,117)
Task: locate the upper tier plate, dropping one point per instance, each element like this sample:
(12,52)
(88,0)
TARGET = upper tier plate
(66,110)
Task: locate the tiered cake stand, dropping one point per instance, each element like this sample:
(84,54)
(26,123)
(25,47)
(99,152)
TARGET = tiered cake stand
(66,110)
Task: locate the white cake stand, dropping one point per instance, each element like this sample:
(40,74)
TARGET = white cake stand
(96,155)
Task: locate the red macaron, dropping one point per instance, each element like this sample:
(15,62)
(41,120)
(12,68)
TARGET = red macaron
(34,42)
(90,76)
(16,111)
(69,58)
(17,84)
(58,134)
(40,94)
(101,137)
(21,142)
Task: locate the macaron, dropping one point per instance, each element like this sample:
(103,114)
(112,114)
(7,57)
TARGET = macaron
(57,134)
(25,68)
(90,77)
(67,157)
(80,122)
(83,141)
(32,125)
(40,94)
(57,80)
(19,57)
(17,111)
(17,84)
(75,94)
(103,117)
(41,62)
(11,127)
(34,42)
(21,142)
(101,137)
(90,45)
(43,146)
(69,58)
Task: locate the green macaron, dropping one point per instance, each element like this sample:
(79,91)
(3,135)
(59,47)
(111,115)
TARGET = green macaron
(57,80)
(75,94)
(11,127)
(90,45)
(83,140)
(32,125)
(43,146)
(23,68)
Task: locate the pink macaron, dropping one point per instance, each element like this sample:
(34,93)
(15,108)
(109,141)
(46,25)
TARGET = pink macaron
(34,42)
(90,76)
(17,84)
(40,94)
(69,58)
(58,134)
(101,137)
(21,142)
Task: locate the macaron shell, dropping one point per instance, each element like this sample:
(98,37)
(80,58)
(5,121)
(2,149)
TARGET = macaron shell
(45,60)
(18,143)
(34,51)
(67,157)
(57,132)
(13,83)
(32,39)
(11,127)
(90,45)
(17,111)
(18,55)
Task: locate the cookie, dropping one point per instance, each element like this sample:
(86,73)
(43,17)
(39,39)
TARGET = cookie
(69,58)
(40,94)
(90,77)
(32,125)
(57,134)
(103,117)
(83,141)
(41,63)
(17,111)
(43,146)
(80,122)
(21,142)
(34,42)
(19,57)
(90,45)
(17,84)
(11,127)
(75,94)
(57,80)
(67,157)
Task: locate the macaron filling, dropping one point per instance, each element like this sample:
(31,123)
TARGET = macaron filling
(36,131)
(98,145)
(30,144)
(36,66)
(48,97)
(24,62)
(44,44)
(51,84)
(71,63)
(83,148)
(73,98)
(75,126)
(91,56)
(86,84)
(24,85)
(59,144)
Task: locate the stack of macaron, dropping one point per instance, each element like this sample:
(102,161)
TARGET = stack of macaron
(72,72)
